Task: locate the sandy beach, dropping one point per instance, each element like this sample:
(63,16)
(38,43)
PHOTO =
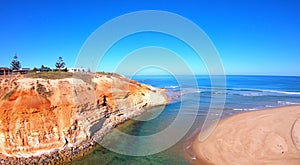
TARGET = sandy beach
(269,136)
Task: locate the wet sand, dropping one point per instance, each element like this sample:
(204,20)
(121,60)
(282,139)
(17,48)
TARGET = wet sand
(269,136)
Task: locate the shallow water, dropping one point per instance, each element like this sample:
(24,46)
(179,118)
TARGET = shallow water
(243,93)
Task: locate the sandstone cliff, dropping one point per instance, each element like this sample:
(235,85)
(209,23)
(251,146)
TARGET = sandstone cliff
(41,116)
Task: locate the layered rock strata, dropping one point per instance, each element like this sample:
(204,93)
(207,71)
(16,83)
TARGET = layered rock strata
(49,119)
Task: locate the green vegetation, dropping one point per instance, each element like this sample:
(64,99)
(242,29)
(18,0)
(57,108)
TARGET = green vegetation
(105,73)
(15,64)
(7,95)
(60,64)
(86,77)
(45,69)
(35,69)
(49,75)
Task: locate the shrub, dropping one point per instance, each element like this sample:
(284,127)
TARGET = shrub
(50,75)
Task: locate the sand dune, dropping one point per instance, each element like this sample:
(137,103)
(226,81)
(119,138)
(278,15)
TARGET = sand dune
(259,137)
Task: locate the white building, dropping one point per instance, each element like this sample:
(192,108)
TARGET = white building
(77,69)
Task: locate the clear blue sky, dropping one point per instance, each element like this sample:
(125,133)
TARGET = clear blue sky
(251,36)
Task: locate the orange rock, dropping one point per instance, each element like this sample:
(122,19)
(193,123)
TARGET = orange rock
(40,116)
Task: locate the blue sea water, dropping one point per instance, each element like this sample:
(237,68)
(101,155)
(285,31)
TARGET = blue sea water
(243,93)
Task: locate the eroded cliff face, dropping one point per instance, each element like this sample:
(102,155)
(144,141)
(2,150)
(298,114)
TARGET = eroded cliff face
(40,116)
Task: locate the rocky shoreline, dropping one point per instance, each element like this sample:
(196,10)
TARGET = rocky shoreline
(64,156)
(117,100)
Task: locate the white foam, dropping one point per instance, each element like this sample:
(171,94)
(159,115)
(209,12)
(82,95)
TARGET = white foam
(251,94)
(287,103)
(282,92)
(244,109)
(172,87)
(264,91)
(189,91)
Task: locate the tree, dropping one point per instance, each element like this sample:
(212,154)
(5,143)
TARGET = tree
(60,64)
(45,69)
(15,64)
(35,69)
(42,68)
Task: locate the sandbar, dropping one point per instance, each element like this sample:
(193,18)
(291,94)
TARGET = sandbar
(269,136)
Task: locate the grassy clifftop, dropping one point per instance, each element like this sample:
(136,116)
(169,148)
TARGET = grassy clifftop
(49,75)
(86,76)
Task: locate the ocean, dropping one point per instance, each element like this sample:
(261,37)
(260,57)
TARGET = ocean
(243,93)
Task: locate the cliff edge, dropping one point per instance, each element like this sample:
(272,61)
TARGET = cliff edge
(45,116)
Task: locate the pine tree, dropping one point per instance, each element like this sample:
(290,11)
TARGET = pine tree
(60,64)
(15,64)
